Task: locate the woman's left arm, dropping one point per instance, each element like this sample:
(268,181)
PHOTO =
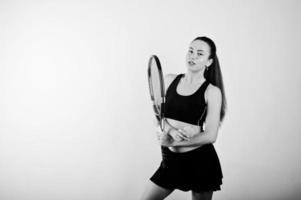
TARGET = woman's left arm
(212,122)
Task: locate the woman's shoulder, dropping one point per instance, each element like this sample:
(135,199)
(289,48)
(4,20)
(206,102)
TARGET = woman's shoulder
(169,78)
(212,92)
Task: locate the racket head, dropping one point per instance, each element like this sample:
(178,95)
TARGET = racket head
(156,86)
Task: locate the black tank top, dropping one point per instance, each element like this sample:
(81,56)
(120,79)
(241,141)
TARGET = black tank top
(188,108)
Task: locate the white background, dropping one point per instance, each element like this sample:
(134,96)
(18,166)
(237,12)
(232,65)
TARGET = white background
(75,113)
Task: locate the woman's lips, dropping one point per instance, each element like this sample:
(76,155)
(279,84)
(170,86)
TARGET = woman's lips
(191,63)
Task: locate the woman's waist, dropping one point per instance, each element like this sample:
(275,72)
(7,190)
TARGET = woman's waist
(183,149)
(178,152)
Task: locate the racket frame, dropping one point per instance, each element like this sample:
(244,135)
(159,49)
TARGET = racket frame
(158,109)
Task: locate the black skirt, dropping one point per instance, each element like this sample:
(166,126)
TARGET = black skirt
(198,170)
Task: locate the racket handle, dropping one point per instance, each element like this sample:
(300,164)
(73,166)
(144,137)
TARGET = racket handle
(162,124)
(158,118)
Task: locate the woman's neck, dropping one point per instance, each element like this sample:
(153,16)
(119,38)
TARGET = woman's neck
(193,78)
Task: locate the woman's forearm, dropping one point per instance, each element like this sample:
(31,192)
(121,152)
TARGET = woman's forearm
(197,140)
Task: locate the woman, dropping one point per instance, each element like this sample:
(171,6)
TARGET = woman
(194,100)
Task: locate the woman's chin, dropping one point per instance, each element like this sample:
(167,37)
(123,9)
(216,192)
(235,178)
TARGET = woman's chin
(193,69)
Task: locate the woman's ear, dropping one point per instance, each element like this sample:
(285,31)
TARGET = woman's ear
(210,61)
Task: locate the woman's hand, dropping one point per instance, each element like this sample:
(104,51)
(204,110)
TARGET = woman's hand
(169,138)
(163,138)
(178,135)
(190,131)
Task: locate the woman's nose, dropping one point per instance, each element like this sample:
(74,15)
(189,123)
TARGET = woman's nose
(192,56)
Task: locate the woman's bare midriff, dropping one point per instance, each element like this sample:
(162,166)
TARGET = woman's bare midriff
(180,125)
(182,149)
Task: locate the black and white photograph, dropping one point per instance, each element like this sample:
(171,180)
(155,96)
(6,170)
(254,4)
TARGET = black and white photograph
(150,100)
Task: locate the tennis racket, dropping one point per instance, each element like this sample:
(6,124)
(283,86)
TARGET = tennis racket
(156,88)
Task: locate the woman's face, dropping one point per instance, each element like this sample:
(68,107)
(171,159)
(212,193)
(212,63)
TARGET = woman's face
(197,56)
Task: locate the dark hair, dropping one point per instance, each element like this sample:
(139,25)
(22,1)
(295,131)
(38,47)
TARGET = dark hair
(213,73)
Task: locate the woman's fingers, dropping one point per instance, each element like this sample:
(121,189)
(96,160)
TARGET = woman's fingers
(158,135)
(178,138)
(178,135)
(174,134)
(191,131)
(183,134)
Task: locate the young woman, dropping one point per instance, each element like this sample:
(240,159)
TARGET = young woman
(195,105)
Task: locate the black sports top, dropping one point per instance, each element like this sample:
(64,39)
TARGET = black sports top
(188,108)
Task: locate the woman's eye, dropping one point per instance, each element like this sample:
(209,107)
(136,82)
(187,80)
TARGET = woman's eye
(190,51)
(199,54)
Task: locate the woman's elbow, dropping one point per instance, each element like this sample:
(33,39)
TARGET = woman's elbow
(212,138)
